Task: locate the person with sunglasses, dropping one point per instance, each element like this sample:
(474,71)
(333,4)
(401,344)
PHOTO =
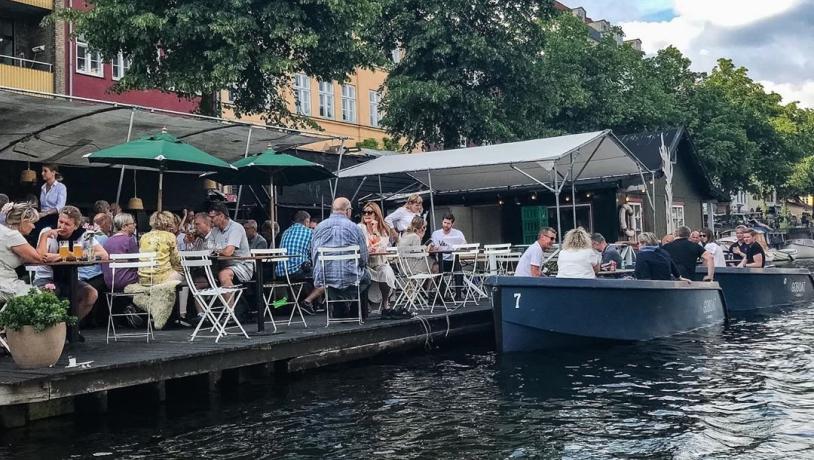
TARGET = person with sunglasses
(708,241)
(531,262)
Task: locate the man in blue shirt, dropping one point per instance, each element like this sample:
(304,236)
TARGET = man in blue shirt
(297,241)
(341,276)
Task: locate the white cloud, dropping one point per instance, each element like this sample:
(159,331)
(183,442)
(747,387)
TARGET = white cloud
(730,13)
(804,92)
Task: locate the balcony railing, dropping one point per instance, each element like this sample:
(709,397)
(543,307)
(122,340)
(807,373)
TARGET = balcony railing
(26,74)
(47,4)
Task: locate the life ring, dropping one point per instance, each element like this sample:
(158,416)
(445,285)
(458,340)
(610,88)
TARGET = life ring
(626,220)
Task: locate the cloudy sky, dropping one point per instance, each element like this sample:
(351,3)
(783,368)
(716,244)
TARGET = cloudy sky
(774,39)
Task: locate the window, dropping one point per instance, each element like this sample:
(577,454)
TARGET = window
(88,60)
(636,219)
(120,66)
(678,215)
(349,103)
(395,55)
(375,115)
(326,99)
(302,94)
(6,40)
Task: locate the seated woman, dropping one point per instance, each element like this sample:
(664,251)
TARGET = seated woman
(377,235)
(411,238)
(577,259)
(121,242)
(161,240)
(653,262)
(15,250)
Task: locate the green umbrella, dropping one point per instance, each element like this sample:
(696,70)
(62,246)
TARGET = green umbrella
(162,152)
(273,168)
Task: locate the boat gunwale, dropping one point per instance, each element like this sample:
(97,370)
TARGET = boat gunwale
(756,271)
(626,284)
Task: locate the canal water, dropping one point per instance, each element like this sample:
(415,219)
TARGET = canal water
(744,391)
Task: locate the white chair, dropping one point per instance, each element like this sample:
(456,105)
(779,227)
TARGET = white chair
(464,267)
(507,263)
(128,262)
(344,255)
(417,271)
(217,309)
(279,256)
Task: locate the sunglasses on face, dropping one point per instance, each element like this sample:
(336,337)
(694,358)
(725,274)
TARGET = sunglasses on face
(367,211)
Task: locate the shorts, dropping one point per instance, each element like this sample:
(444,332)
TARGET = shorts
(243,272)
(60,288)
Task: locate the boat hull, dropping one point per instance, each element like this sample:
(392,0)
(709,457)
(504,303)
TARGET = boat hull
(748,289)
(551,313)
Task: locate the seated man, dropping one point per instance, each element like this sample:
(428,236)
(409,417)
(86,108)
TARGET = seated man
(296,240)
(201,238)
(230,240)
(256,241)
(335,232)
(531,262)
(608,251)
(754,255)
(685,254)
(653,262)
(68,231)
(443,240)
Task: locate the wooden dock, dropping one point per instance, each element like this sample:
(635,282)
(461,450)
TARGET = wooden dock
(27,395)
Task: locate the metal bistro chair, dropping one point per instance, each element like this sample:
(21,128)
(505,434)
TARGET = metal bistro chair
(279,256)
(128,262)
(343,255)
(418,274)
(464,267)
(393,259)
(212,299)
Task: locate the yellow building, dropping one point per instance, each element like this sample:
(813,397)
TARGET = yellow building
(27,50)
(349,109)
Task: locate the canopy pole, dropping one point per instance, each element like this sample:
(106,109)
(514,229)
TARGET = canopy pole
(273,211)
(338,168)
(160,188)
(361,183)
(653,205)
(432,202)
(121,174)
(573,192)
(240,188)
(557,202)
(536,180)
(381,195)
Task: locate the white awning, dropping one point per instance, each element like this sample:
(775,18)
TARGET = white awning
(596,156)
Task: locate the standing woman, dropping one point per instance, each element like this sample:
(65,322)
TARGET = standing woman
(377,234)
(15,250)
(53,196)
(401,218)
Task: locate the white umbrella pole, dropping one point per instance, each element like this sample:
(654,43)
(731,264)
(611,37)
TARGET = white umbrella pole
(160,188)
(121,174)
(272,212)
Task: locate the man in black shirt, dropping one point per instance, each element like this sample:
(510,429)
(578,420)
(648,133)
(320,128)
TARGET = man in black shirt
(685,254)
(755,255)
(738,248)
(609,253)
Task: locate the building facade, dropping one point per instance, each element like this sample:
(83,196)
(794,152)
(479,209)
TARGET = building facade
(27,50)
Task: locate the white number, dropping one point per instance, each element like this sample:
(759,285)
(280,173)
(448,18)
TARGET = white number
(517,300)
(798,287)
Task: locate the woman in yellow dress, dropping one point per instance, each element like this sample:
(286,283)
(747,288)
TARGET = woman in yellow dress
(162,241)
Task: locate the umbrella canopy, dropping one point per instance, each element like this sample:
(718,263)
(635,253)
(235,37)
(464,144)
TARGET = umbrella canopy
(162,152)
(273,167)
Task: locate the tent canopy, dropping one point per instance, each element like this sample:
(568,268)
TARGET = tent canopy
(596,156)
(60,129)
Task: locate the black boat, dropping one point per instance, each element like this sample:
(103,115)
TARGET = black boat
(754,288)
(545,313)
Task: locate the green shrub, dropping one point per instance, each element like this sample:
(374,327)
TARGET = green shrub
(39,309)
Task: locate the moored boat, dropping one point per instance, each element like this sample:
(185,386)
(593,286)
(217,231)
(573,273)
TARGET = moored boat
(754,288)
(803,246)
(546,313)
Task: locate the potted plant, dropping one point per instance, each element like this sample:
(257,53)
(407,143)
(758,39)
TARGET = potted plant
(35,328)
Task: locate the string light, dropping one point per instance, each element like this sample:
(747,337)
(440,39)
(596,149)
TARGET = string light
(534,195)
(499,200)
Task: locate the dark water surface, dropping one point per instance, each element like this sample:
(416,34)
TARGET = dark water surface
(746,391)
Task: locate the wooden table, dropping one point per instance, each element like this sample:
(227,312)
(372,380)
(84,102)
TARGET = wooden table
(258,279)
(69,269)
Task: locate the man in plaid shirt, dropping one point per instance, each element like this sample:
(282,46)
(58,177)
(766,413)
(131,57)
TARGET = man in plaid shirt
(297,240)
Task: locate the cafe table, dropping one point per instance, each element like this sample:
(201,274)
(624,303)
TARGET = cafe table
(259,281)
(66,274)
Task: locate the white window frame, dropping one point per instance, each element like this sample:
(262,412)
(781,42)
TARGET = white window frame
(349,103)
(326,99)
(374,99)
(637,218)
(302,94)
(119,62)
(89,53)
(395,56)
(677,215)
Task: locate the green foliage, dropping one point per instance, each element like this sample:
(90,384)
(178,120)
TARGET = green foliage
(369,143)
(253,46)
(39,309)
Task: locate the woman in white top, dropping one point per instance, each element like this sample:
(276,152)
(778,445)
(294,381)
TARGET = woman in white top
(377,235)
(577,259)
(708,241)
(15,250)
(53,196)
(401,218)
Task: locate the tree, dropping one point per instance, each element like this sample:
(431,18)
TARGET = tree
(468,68)
(251,46)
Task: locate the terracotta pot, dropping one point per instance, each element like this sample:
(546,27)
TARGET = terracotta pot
(31,349)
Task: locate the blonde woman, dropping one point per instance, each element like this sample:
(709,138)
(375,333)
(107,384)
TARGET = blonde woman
(577,259)
(162,241)
(377,235)
(412,239)
(15,250)
(401,218)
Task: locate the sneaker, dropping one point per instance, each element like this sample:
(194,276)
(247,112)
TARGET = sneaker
(307,308)
(133,319)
